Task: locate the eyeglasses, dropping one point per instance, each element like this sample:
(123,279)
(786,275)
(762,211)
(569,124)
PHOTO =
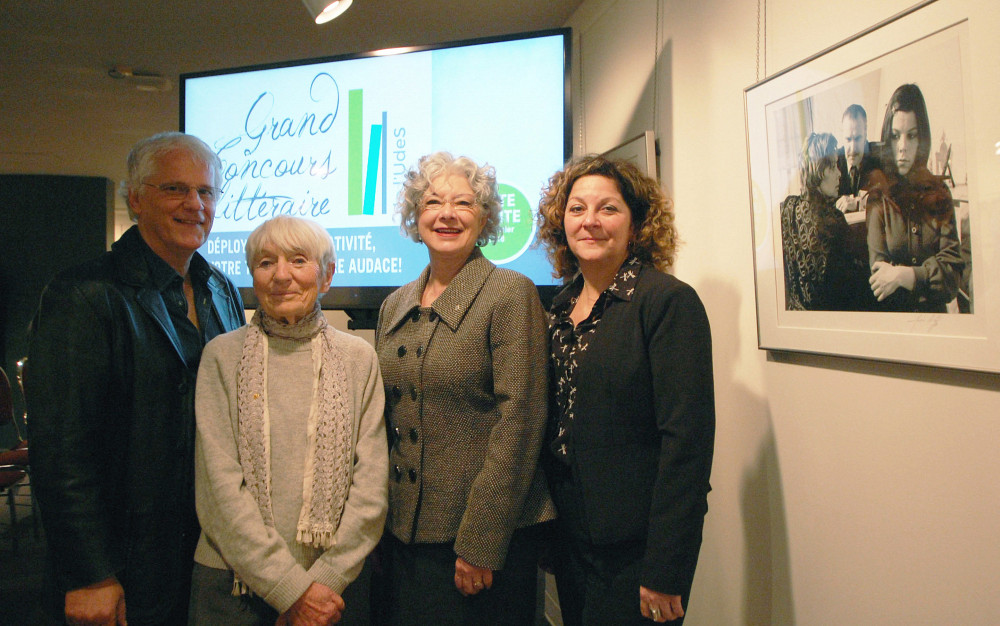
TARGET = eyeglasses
(436,204)
(180,191)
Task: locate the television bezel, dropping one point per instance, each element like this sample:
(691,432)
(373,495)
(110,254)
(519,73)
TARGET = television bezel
(362,303)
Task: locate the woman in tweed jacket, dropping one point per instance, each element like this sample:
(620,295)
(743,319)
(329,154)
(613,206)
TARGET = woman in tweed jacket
(463,355)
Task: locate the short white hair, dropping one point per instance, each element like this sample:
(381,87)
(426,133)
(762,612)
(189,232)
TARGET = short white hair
(291,235)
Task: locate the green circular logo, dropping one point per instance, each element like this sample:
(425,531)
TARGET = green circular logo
(517,226)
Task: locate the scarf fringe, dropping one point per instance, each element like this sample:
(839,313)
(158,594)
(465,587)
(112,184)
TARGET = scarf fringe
(240,588)
(317,539)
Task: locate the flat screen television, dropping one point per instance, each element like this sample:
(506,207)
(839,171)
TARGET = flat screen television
(331,139)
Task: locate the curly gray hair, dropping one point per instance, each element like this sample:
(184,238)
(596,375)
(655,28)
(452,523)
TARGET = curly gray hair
(482,180)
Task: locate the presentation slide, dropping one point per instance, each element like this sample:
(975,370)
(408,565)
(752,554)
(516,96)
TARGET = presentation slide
(332,141)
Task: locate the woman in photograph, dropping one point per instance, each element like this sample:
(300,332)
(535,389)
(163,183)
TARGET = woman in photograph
(291,458)
(913,242)
(821,274)
(632,410)
(462,350)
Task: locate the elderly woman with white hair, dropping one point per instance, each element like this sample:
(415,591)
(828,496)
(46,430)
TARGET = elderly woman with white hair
(290,453)
(463,352)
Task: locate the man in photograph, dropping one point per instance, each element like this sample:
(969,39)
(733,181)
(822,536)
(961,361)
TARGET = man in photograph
(854,159)
(113,356)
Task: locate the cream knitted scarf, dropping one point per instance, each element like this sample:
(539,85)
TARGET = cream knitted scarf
(326,478)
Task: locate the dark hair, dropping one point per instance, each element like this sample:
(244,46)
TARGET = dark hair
(906,98)
(654,238)
(819,153)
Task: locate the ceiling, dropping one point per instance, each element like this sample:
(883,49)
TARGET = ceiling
(61,113)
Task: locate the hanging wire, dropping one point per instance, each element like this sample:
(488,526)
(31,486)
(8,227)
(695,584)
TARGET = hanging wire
(757,80)
(581,117)
(761,35)
(656,72)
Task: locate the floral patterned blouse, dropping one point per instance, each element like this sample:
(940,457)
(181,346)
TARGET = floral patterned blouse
(568,343)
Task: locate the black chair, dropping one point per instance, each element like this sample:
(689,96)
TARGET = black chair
(14,462)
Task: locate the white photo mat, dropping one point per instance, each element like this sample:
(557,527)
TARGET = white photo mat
(949,48)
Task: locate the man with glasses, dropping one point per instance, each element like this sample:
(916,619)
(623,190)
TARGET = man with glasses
(113,356)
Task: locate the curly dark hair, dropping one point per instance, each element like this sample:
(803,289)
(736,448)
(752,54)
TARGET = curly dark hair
(654,238)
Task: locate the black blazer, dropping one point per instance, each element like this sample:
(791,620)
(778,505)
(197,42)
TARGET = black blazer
(112,428)
(644,427)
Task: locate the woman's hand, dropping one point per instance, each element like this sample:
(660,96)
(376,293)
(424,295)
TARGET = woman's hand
(100,604)
(659,607)
(318,606)
(887,278)
(469,579)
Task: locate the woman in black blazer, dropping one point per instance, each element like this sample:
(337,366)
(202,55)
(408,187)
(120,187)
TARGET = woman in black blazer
(631,412)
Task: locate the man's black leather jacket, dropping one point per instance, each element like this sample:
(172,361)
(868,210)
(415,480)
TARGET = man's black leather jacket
(111,419)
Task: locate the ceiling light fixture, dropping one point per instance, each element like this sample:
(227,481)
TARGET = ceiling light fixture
(325,10)
(143,81)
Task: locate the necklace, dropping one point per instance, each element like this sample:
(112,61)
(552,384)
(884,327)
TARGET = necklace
(584,305)
(584,300)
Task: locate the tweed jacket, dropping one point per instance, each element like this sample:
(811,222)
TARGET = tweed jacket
(112,427)
(466,405)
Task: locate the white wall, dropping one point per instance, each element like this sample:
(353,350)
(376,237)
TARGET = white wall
(844,490)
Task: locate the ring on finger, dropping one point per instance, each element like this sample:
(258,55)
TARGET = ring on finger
(655,612)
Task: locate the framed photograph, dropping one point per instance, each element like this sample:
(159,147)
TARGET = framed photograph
(641,150)
(875,191)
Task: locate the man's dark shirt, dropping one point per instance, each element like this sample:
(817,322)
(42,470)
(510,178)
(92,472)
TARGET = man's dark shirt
(171,285)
